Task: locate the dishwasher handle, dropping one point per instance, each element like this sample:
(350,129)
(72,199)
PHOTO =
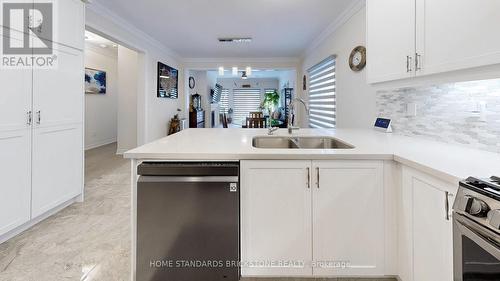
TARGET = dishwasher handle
(230,179)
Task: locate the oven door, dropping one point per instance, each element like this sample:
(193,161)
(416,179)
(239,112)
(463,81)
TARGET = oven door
(476,251)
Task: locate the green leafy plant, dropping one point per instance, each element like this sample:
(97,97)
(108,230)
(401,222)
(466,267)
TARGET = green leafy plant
(271,101)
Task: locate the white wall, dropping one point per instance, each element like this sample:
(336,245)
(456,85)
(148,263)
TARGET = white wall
(127,100)
(288,77)
(101,110)
(211,81)
(153,114)
(356,99)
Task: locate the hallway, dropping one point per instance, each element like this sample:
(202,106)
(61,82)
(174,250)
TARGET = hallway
(86,241)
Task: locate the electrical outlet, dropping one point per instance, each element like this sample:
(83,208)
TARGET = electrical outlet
(482,111)
(411,109)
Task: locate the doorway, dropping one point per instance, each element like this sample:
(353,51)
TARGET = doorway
(236,94)
(111,93)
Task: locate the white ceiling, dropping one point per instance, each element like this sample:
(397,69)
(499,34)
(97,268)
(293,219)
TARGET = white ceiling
(98,42)
(279,28)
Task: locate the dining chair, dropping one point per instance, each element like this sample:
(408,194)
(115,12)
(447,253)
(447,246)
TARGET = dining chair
(256,114)
(256,123)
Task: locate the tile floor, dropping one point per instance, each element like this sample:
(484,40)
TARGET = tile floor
(87,241)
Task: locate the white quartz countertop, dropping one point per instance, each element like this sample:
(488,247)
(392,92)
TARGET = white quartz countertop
(448,162)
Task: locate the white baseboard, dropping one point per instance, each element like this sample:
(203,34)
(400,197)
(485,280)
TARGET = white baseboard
(100,143)
(16,231)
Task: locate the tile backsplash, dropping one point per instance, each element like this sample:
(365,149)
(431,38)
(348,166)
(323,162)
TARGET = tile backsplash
(465,113)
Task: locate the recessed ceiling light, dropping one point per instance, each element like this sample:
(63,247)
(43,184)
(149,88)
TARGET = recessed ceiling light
(221,70)
(235,71)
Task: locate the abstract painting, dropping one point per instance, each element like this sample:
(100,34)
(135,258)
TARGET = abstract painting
(95,81)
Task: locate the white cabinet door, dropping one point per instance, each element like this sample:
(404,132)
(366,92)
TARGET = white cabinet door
(15,172)
(15,146)
(431,254)
(68,23)
(275,218)
(390,39)
(348,218)
(15,97)
(457,34)
(58,134)
(58,93)
(57,166)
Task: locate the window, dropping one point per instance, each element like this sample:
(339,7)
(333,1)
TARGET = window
(224,101)
(322,94)
(245,101)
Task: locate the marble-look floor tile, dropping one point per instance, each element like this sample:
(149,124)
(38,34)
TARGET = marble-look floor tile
(86,241)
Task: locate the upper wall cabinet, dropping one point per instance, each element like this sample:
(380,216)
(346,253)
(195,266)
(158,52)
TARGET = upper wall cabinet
(411,38)
(390,39)
(457,34)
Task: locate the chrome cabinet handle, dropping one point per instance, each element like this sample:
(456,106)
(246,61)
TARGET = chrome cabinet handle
(408,64)
(39,117)
(447,196)
(317,177)
(29,116)
(308,177)
(417,62)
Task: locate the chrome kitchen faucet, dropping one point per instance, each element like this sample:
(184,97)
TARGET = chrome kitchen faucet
(291,127)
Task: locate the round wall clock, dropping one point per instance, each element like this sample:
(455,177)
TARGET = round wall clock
(357,59)
(192,83)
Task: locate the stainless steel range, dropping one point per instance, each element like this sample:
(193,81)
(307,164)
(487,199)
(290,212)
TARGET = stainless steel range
(476,230)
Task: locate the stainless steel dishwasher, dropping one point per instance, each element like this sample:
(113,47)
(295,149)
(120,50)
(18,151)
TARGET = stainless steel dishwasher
(188,221)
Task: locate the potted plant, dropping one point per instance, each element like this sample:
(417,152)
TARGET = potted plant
(270,103)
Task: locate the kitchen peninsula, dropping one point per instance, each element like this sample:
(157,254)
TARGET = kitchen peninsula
(364,203)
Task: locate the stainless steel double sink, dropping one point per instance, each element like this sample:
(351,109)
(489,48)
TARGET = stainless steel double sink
(299,142)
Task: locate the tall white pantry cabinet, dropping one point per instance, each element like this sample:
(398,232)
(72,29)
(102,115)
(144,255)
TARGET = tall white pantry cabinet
(41,127)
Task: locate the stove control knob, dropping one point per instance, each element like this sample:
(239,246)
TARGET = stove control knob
(465,203)
(494,219)
(478,208)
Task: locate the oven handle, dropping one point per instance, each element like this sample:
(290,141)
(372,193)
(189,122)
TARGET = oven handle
(485,238)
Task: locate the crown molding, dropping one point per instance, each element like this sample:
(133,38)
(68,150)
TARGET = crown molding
(243,60)
(96,7)
(355,7)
